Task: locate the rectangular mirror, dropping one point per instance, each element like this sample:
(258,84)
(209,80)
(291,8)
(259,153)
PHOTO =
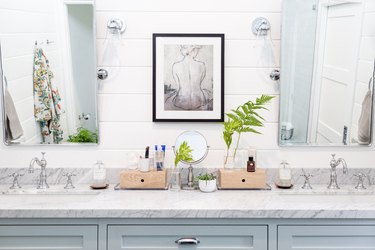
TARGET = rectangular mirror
(48,72)
(327,70)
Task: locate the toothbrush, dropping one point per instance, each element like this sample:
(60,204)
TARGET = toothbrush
(147,152)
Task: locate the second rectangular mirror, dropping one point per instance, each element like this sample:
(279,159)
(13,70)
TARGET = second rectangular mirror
(327,70)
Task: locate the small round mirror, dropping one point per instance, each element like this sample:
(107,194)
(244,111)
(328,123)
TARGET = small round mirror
(197,142)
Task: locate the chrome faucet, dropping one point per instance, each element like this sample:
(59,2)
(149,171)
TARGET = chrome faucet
(43,173)
(334,163)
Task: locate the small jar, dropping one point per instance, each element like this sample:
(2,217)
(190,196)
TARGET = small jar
(251,164)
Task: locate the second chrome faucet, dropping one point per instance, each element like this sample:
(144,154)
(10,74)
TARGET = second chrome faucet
(333,177)
(43,173)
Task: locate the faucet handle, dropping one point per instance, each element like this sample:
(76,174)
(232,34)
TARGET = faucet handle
(15,184)
(308,176)
(69,182)
(361,178)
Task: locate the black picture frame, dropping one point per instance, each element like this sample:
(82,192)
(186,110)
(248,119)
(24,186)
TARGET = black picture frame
(213,46)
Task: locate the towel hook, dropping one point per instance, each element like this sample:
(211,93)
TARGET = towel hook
(48,42)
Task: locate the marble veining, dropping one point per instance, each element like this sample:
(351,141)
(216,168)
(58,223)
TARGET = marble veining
(83,175)
(294,203)
(78,203)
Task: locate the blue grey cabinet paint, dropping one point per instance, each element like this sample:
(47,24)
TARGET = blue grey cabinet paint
(240,237)
(48,237)
(317,237)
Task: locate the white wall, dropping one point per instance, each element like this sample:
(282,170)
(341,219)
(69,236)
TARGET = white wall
(22,22)
(300,43)
(81,34)
(125,98)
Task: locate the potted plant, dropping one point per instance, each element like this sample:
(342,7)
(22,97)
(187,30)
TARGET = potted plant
(84,135)
(244,119)
(183,153)
(207,183)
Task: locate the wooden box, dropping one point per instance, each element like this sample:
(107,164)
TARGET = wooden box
(241,179)
(134,179)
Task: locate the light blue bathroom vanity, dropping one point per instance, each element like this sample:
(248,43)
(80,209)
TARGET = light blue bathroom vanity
(115,220)
(326,99)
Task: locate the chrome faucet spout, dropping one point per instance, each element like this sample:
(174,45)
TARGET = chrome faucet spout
(344,165)
(31,165)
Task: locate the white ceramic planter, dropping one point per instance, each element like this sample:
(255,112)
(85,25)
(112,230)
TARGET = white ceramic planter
(207,186)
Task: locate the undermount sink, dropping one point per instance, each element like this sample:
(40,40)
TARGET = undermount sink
(45,198)
(329,193)
(323,198)
(323,191)
(68,192)
(53,195)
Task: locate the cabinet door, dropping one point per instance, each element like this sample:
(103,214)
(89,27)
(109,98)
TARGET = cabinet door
(48,237)
(326,237)
(121,237)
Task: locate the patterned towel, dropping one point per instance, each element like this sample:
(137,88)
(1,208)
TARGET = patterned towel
(47,109)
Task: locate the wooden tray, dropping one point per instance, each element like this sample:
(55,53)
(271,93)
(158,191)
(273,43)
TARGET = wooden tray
(241,179)
(134,179)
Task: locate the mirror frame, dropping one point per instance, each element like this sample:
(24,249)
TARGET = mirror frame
(64,13)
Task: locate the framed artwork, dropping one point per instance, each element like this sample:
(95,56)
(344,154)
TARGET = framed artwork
(188,77)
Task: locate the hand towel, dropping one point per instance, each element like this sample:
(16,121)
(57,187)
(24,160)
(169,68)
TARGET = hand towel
(364,122)
(13,124)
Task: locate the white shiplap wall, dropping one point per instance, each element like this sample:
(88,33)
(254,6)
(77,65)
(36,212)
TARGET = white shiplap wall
(243,79)
(125,98)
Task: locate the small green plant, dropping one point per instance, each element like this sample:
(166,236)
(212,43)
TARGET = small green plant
(183,153)
(206,177)
(84,135)
(243,119)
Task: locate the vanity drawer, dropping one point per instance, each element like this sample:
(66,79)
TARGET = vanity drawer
(326,237)
(121,237)
(48,237)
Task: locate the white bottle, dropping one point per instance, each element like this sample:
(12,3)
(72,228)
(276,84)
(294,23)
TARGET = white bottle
(285,175)
(99,174)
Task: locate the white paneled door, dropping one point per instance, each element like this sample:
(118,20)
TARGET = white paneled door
(342,39)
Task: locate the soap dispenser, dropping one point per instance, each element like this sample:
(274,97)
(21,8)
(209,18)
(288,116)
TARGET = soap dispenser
(285,175)
(99,176)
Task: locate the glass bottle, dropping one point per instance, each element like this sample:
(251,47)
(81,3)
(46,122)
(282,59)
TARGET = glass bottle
(99,174)
(285,175)
(175,179)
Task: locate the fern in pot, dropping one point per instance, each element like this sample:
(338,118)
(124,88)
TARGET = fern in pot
(207,183)
(244,119)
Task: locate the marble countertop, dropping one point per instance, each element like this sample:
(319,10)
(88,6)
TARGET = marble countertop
(85,203)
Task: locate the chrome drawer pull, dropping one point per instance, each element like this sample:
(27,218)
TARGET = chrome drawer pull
(187,241)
